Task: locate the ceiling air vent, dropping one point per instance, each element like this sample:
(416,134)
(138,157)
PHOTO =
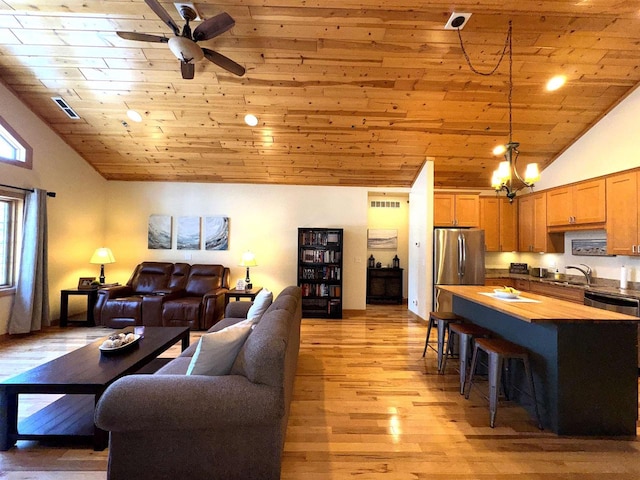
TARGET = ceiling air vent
(64,106)
(384,204)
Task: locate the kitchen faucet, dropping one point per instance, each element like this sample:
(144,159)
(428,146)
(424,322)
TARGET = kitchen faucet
(585,271)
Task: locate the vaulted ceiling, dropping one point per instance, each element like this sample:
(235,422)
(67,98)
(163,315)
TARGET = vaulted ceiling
(347,92)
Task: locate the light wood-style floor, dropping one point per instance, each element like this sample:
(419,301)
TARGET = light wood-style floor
(366,406)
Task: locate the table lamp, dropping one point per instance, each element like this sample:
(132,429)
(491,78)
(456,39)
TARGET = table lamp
(101,256)
(248,260)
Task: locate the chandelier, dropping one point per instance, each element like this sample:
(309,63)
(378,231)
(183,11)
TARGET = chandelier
(502,178)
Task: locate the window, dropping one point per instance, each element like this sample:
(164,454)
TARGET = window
(10,211)
(13,149)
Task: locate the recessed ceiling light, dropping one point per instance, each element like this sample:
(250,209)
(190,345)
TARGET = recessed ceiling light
(251,120)
(135,116)
(499,150)
(556,82)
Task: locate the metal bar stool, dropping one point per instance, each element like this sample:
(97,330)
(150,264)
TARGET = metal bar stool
(498,351)
(466,332)
(441,321)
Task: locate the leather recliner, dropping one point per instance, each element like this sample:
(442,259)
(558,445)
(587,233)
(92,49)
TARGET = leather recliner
(139,302)
(201,304)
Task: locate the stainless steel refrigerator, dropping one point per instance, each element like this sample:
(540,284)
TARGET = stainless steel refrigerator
(458,259)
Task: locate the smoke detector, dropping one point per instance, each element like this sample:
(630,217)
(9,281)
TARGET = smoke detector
(457,21)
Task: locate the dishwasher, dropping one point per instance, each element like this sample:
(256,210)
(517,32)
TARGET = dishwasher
(627,305)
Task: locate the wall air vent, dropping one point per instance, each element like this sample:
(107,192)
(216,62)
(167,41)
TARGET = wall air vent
(384,204)
(64,106)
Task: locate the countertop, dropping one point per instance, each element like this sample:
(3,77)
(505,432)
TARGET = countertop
(544,309)
(570,281)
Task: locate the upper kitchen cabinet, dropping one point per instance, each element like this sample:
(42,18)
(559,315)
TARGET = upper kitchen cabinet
(532,226)
(499,220)
(623,236)
(577,207)
(456,210)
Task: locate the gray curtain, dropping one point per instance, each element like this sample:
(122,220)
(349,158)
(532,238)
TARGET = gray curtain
(30,309)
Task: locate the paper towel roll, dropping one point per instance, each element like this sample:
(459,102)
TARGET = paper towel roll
(623,277)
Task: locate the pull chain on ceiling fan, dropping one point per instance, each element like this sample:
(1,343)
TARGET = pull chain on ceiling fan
(183,45)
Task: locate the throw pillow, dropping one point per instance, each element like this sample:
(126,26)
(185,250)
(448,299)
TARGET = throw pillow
(217,351)
(260,304)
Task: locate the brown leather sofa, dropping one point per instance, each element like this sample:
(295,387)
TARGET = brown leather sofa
(201,303)
(195,290)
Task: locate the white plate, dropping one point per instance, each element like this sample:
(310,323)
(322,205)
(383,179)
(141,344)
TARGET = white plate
(502,294)
(121,347)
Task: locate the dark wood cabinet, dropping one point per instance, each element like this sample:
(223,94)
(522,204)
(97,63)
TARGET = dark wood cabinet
(320,271)
(384,285)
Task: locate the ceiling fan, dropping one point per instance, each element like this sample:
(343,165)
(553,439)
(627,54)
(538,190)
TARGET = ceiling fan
(184,46)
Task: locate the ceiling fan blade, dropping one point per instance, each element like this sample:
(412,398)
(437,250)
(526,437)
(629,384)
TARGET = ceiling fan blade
(164,16)
(188,70)
(224,62)
(214,26)
(143,37)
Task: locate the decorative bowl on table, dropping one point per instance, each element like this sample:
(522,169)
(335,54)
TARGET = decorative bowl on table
(506,292)
(119,342)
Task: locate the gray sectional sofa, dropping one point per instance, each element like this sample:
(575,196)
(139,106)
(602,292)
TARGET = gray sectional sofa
(171,425)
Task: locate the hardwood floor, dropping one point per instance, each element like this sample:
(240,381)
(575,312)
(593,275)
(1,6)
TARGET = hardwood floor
(366,406)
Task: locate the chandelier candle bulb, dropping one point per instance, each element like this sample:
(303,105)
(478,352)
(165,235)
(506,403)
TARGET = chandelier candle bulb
(623,277)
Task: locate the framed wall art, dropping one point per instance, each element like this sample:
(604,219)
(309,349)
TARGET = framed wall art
(159,232)
(216,233)
(188,233)
(382,239)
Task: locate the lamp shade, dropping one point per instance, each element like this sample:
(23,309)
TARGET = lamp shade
(248,260)
(102,255)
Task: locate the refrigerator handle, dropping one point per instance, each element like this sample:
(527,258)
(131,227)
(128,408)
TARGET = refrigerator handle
(461,256)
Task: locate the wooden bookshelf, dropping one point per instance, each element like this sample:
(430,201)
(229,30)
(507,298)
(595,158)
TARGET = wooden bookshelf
(320,271)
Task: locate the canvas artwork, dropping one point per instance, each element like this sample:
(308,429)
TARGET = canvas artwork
(593,248)
(188,233)
(216,233)
(159,232)
(382,239)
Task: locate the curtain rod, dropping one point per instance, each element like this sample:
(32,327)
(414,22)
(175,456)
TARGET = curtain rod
(49,194)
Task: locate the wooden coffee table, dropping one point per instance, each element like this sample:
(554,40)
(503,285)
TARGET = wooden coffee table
(83,375)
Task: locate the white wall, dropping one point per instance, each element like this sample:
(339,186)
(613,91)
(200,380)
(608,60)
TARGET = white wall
(612,145)
(75,216)
(420,276)
(263,219)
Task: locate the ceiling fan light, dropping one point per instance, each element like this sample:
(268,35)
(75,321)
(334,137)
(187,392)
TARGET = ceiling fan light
(185,50)
(251,120)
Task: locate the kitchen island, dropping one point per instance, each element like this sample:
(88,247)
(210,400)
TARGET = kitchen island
(584,359)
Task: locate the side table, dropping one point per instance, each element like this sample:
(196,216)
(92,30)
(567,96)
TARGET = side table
(238,294)
(92,297)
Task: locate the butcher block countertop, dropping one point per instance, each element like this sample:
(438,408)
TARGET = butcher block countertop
(543,309)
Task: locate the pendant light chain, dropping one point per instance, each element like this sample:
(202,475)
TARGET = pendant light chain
(507,45)
(510,83)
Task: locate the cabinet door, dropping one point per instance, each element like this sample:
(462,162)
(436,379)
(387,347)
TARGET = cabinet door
(540,222)
(525,224)
(589,205)
(490,222)
(508,225)
(467,210)
(622,213)
(443,210)
(559,206)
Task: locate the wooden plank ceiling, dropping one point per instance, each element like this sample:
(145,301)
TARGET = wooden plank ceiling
(347,92)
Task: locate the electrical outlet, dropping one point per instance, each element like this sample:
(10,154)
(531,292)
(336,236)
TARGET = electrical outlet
(187,256)
(358,260)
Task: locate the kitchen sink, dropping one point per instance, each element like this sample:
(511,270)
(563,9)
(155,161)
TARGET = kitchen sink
(568,283)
